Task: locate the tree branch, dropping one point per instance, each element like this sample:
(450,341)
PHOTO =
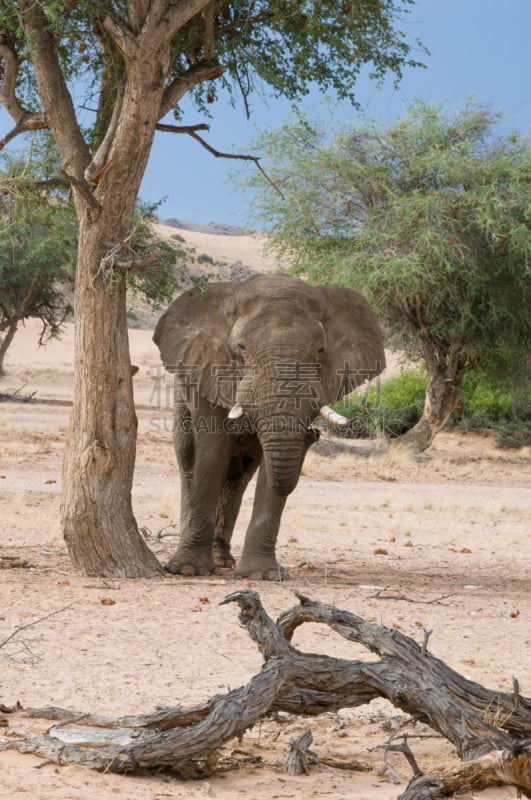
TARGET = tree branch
(24,120)
(53,91)
(35,622)
(209,40)
(15,185)
(245,91)
(162,19)
(66,180)
(97,166)
(510,766)
(200,126)
(260,627)
(182,84)
(124,39)
(178,14)
(191,130)
(9,79)
(137,12)
(83,188)
(246,22)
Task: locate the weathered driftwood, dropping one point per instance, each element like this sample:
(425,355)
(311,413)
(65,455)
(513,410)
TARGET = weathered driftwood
(506,766)
(495,751)
(300,756)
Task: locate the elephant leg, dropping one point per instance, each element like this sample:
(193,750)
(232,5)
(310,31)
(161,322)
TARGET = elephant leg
(240,473)
(184,446)
(200,491)
(259,558)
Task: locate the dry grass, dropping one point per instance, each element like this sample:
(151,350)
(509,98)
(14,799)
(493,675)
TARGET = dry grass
(393,454)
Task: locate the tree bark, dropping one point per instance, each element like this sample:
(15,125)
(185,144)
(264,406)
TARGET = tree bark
(443,394)
(407,674)
(507,766)
(99,527)
(6,341)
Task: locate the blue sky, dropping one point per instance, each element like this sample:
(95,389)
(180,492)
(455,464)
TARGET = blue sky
(478,48)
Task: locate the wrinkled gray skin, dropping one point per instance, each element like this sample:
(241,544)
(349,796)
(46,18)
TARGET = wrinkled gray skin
(282,349)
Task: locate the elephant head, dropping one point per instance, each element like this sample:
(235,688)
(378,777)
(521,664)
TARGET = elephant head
(274,352)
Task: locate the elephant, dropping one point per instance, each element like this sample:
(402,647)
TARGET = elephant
(254,364)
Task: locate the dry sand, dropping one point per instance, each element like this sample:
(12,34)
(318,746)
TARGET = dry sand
(439,543)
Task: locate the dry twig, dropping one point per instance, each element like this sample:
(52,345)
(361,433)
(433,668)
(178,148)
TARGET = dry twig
(35,622)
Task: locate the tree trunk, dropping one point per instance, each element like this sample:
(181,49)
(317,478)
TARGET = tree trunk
(98,522)
(443,395)
(6,341)
(17,315)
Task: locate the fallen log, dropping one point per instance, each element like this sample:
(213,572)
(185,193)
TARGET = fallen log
(505,766)
(495,750)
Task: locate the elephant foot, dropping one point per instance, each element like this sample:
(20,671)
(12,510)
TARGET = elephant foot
(190,565)
(221,554)
(260,571)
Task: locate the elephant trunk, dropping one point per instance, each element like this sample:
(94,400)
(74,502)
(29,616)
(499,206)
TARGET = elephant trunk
(281,405)
(283,455)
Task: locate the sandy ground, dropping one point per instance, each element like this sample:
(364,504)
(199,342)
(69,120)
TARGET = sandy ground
(440,543)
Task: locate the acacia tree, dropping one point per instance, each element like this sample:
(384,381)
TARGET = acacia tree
(138,59)
(431,217)
(37,249)
(34,273)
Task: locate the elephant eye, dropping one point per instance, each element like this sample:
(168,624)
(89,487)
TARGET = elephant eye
(240,347)
(321,351)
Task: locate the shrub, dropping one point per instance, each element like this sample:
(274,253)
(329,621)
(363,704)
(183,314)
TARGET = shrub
(485,403)
(499,406)
(390,407)
(514,434)
(204,258)
(394,406)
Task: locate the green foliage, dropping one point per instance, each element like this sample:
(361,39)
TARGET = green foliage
(157,268)
(514,434)
(394,406)
(486,403)
(388,408)
(287,45)
(150,261)
(37,244)
(430,217)
(489,404)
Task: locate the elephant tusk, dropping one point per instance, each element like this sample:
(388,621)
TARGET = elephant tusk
(236,411)
(333,417)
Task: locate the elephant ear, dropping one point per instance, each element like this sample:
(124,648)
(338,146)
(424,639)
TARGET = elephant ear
(192,338)
(355,351)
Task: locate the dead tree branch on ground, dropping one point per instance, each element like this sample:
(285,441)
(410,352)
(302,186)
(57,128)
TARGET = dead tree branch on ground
(405,673)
